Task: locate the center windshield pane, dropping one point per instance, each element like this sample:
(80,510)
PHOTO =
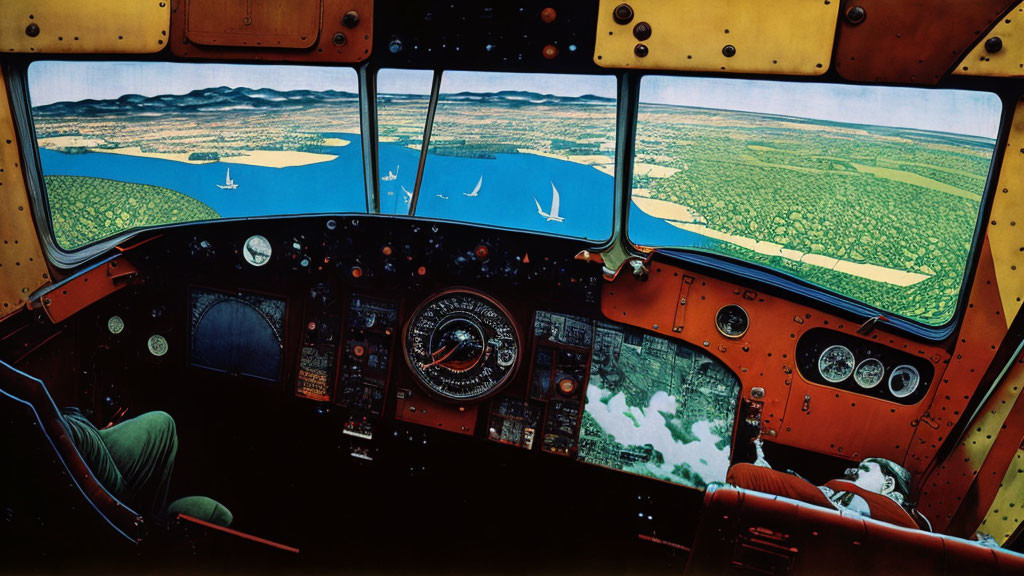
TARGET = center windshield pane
(526,151)
(871,192)
(127,145)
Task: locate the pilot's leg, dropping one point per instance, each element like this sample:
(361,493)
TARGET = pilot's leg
(761,479)
(143,448)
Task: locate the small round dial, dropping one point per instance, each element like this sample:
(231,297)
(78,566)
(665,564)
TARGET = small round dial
(257,250)
(836,363)
(461,345)
(157,345)
(732,321)
(904,380)
(869,373)
(115,324)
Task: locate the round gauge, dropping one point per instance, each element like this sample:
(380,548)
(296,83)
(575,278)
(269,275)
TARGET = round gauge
(904,380)
(115,324)
(567,386)
(257,250)
(836,363)
(732,321)
(869,373)
(157,345)
(461,345)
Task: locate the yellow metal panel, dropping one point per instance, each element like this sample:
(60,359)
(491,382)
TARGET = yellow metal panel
(1007,510)
(22,268)
(84,26)
(780,37)
(1006,224)
(1008,60)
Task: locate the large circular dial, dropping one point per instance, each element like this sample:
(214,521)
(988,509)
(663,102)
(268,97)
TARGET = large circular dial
(836,363)
(461,345)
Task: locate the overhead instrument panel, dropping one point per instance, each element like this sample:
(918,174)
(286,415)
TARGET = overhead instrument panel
(535,34)
(862,366)
(461,345)
(784,37)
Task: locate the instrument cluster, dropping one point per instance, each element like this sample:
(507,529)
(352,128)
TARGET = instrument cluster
(862,366)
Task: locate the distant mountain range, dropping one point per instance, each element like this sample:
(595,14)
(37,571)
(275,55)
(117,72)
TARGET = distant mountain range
(226,99)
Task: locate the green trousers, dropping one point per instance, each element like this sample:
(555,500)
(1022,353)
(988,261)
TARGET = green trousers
(133,459)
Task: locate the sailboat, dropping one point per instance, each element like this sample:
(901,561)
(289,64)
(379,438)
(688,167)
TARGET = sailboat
(552,216)
(391,175)
(442,197)
(228,184)
(476,190)
(408,195)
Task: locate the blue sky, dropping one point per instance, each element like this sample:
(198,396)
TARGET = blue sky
(957,111)
(54,81)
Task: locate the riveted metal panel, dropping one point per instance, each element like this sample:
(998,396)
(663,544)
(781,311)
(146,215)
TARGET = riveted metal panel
(1006,513)
(22,267)
(743,36)
(1000,52)
(84,26)
(910,41)
(1006,222)
(962,487)
(315,31)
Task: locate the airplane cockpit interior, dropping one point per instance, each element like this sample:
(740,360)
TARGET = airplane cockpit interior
(494,286)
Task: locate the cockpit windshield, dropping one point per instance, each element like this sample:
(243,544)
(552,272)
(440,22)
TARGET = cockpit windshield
(526,151)
(871,192)
(127,145)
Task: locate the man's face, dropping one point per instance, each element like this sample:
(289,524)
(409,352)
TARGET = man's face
(867,475)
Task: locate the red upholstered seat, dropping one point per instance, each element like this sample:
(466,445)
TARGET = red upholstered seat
(742,532)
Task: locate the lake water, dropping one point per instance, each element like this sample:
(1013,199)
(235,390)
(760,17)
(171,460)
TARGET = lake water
(512,186)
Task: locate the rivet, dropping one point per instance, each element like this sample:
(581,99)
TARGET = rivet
(339,39)
(623,14)
(642,31)
(856,15)
(729,50)
(32,30)
(993,44)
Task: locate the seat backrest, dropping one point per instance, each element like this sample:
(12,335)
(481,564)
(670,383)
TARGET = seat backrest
(744,532)
(882,507)
(47,485)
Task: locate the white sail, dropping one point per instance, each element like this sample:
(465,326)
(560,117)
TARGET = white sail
(228,184)
(391,175)
(476,190)
(551,216)
(408,195)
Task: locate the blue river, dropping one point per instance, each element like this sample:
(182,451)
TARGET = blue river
(511,187)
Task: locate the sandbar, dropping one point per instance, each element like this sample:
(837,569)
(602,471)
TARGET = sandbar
(684,218)
(278,158)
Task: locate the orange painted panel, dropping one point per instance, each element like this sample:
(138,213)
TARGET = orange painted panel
(72,295)
(958,494)
(336,36)
(910,41)
(682,304)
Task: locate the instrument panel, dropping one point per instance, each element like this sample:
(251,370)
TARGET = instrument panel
(507,338)
(863,366)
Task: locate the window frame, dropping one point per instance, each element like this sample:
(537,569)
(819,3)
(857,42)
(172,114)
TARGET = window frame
(797,288)
(16,77)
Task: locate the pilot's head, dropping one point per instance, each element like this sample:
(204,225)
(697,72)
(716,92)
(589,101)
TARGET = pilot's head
(882,476)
